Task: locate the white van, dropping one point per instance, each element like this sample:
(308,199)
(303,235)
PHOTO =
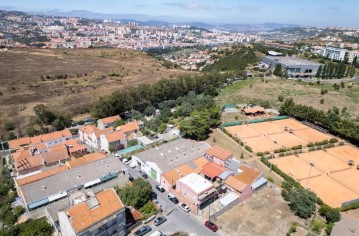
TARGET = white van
(157,233)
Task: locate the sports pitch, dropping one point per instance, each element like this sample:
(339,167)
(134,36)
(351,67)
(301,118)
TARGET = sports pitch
(330,176)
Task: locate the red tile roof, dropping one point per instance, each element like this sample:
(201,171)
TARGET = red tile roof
(248,175)
(129,127)
(55,156)
(19,142)
(114,136)
(51,136)
(41,175)
(82,217)
(110,119)
(235,183)
(218,152)
(88,158)
(88,129)
(99,132)
(212,170)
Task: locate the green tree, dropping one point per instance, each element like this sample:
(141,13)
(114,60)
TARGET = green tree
(319,72)
(355,61)
(324,72)
(302,202)
(44,115)
(61,122)
(352,71)
(119,122)
(136,195)
(149,111)
(346,58)
(278,70)
(136,115)
(9,126)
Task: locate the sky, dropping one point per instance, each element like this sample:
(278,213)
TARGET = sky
(301,12)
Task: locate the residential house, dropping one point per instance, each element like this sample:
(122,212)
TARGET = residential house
(85,133)
(212,171)
(17,143)
(169,179)
(107,122)
(112,140)
(219,155)
(195,190)
(245,182)
(96,137)
(53,138)
(100,214)
(130,130)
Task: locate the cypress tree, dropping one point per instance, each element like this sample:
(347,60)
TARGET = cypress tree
(319,71)
(324,71)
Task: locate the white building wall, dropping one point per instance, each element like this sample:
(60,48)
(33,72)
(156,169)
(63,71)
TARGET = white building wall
(65,225)
(104,143)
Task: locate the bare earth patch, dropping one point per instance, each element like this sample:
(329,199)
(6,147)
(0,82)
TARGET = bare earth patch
(264,213)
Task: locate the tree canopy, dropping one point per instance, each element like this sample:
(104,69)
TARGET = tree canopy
(136,195)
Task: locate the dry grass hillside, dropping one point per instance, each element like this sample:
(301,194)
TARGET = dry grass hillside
(90,73)
(258,90)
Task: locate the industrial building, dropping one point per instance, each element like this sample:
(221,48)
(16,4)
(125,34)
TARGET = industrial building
(297,67)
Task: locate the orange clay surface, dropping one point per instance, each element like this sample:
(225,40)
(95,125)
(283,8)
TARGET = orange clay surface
(290,123)
(345,153)
(266,128)
(311,135)
(329,190)
(260,144)
(295,167)
(286,140)
(324,161)
(348,178)
(242,131)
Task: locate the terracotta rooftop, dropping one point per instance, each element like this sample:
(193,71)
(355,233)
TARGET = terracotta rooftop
(82,217)
(253,109)
(249,175)
(80,147)
(55,156)
(98,132)
(88,129)
(41,175)
(19,142)
(51,136)
(235,183)
(212,170)
(175,174)
(21,154)
(114,136)
(88,158)
(110,119)
(219,153)
(29,162)
(130,126)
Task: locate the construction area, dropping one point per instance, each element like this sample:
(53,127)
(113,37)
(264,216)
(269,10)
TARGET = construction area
(332,173)
(271,135)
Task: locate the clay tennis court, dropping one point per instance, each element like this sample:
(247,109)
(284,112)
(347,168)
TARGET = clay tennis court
(260,144)
(311,135)
(289,123)
(345,153)
(348,178)
(260,136)
(286,140)
(295,167)
(324,161)
(329,190)
(266,128)
(242,131)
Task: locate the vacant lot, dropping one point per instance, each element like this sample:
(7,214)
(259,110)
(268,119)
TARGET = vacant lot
(264,213)
(256,91)
(89,73)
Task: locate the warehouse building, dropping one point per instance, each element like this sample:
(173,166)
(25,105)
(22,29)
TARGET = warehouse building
(297,67)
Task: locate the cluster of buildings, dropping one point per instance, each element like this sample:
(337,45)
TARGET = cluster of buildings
(55,178)
(71,32)
(337,54)
(198,174)
(106,137)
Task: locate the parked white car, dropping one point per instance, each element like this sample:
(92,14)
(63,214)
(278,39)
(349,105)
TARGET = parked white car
(149,219)
(183,206)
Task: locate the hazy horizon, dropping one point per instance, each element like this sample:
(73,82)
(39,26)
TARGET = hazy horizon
(305,12)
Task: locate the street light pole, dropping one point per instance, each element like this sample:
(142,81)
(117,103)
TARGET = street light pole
(310,170)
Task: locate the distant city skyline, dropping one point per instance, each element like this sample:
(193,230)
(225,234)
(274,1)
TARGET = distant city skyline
(304,12)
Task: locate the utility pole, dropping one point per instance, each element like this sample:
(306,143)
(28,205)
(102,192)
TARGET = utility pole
(209,212)
(310,170)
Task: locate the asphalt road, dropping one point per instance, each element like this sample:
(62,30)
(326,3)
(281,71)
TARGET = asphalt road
(177,219)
